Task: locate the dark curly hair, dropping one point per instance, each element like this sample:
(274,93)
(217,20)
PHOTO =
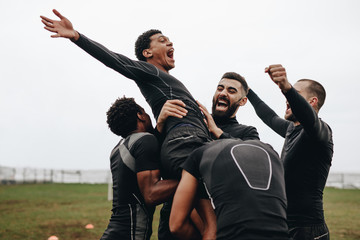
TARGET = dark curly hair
(143,42)
(238,77)
(122,116)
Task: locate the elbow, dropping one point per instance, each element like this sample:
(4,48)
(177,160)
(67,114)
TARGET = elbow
(151,199)
(149,202)
(175,227)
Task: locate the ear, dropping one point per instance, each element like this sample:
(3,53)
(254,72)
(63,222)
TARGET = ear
(243,101)
(141,117)
(147,53)
(313,102)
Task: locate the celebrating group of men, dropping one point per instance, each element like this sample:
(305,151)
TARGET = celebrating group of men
(214,176)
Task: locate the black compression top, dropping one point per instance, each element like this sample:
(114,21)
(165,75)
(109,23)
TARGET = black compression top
(156,86)
(130,215)
(145,152)
(232,128)
(307,155)
(246,186)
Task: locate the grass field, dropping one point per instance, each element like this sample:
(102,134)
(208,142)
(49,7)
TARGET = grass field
(37,211)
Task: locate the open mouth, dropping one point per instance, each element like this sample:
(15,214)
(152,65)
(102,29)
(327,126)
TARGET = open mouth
(170,53)
(222,104)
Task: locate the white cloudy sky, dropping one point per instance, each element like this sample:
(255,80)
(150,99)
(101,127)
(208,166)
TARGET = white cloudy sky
(53,96)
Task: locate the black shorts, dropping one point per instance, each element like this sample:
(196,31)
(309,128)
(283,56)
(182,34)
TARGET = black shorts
(130,222)
(314,231)
(177,146)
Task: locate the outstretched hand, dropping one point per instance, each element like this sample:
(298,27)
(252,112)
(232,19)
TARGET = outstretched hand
(278,74)
(209,120)
(62,28)
(171,108)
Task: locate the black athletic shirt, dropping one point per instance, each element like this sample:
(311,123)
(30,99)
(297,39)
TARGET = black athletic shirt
(125,186)
(245,182)
(156,86)
(233,129)
(307,155)
(130,215)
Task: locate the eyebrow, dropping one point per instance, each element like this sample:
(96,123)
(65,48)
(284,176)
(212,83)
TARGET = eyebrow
(163,36)
(233,88)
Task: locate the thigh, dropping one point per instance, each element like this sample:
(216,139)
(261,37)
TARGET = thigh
(313,232)
(177,146)
(118,228)
(130,223)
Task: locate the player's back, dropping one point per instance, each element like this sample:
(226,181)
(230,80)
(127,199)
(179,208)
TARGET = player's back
(246,182)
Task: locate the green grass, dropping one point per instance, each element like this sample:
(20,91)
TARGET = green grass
(342,213)
(37,211)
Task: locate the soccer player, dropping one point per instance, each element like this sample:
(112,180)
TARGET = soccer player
(151,73)
(229,96)
(307,151)
(155,53)
(245,183)
(135,168)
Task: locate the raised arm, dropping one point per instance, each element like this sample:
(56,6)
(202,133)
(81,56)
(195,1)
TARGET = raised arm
(267,115)
(62,28)
(118,62)
(301,104)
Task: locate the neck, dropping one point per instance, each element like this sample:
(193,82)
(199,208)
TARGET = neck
(161,67)
(222,119)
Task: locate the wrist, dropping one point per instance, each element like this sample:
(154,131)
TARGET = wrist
(75,37)
(216,132)
(286,87)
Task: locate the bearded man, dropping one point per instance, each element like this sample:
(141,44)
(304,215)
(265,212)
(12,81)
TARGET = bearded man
(230,94)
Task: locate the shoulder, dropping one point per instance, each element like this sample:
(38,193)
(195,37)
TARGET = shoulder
(245,132)
(143,140)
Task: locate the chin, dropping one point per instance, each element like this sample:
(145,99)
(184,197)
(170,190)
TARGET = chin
(219,114)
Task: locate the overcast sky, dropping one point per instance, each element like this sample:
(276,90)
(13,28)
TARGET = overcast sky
(54,96)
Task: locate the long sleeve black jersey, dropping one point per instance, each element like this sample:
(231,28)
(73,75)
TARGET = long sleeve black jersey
(155,85)
(306,154)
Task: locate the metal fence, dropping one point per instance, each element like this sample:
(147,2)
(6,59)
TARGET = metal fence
(9,175)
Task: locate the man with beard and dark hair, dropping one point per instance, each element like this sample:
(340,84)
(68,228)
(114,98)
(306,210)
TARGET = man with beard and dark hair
(307,151)
(229,96)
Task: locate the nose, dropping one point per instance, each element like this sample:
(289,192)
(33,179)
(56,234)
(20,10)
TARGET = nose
(222,92)
(169,43)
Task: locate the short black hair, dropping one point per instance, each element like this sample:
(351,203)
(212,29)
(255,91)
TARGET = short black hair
(238,77)
(122,116)
(143,42)
(317,90)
